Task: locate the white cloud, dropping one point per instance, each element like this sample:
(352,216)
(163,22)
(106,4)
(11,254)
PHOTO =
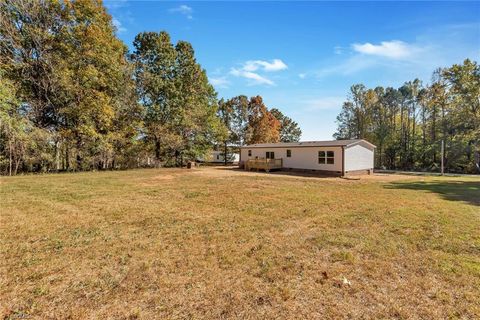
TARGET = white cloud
(251,70)
(395,61)
(254,78)
(302,75)
(120,14)
(394,49)
(220,82)
(324,103)
(118,25)
(183,9)
(349,66)
(389,55)
(275,65)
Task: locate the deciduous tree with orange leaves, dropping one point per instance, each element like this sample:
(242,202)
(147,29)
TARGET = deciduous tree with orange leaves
(263,127)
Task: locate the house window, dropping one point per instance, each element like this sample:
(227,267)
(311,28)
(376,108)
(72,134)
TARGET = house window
(249,153)
(330,157)
(289,153)
(326,157)
(270,155)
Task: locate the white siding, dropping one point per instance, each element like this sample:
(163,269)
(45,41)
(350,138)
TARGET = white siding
(359,157)
(217,156)
(302,157)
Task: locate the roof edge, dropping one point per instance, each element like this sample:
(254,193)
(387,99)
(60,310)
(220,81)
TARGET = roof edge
(359,141)
(285,144)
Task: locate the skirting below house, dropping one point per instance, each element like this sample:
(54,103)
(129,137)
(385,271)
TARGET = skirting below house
(331,173)
(358,172)
(313,171)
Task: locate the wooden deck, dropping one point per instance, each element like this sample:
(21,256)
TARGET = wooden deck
(264,164)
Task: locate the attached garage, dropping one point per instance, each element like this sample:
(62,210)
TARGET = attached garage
(337,157)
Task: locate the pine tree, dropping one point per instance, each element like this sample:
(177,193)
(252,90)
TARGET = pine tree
(409,123)
(289,129)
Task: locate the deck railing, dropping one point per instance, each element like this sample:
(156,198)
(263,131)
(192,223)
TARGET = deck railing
(264,164)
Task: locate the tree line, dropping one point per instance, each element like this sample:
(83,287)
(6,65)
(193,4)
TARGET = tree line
(408,124)
(72,97)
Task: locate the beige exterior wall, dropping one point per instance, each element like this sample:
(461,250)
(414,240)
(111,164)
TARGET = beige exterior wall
(302,157)
(359,157)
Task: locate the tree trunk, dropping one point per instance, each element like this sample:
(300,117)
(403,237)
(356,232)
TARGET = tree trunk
(380,147)
(225,154)
(407,141)
(10,157)
(402,135)
(434,133)
(424,140)
(67,157)
(79,156)
(157,152)
(57,155)
(444,136)
(17,164)
(413,134)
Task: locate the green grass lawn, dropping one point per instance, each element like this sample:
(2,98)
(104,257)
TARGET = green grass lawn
(215,243)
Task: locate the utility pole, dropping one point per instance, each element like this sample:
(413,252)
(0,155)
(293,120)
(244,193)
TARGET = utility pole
(443,156)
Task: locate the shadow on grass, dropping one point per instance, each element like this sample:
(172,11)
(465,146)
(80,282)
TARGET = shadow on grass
(282,172)
(467,191)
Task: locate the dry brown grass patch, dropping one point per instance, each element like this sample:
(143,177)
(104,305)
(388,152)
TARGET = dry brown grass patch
(223,244)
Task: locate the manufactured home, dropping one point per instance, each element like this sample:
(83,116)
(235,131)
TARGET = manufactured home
(218,157)
(337,157)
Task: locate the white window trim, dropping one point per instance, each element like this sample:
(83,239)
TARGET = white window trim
(326,157)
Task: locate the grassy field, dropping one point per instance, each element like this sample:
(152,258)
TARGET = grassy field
(214,243)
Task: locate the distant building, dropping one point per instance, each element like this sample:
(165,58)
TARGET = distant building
(218,157)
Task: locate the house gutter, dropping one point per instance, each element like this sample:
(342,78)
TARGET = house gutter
(271,147)
(309,146)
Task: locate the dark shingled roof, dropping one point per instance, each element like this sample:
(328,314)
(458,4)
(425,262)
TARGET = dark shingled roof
(330,143)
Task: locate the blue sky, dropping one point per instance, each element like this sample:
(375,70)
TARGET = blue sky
(302,57)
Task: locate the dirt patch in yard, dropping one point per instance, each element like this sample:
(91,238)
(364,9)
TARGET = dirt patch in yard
(158,179)
(164,177)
